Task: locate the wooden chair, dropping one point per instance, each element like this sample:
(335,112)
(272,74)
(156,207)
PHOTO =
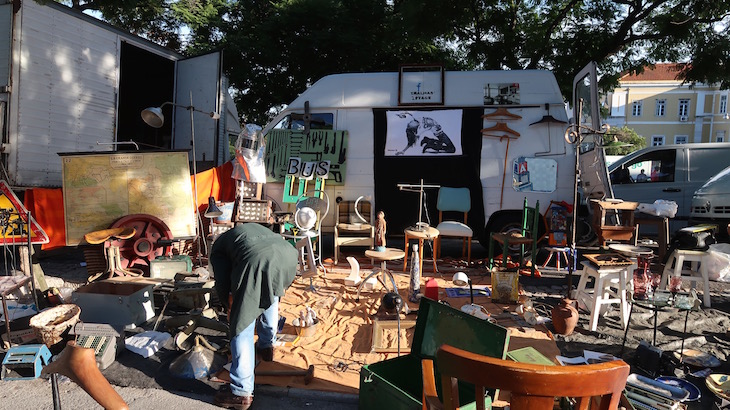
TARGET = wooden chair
(350,230)
(532,387)
(528,235)
(454,200)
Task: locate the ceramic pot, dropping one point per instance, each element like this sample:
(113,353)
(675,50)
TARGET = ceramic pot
(565,317)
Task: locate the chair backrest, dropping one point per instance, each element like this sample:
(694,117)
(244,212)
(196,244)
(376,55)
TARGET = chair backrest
(532,386)
(345,212)
(453,200)
(530,219)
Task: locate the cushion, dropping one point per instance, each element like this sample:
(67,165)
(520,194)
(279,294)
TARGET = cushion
(454,228)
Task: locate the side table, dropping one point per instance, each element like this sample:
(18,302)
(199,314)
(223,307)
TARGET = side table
(430,234)
(9,284)
(389,254)
(606,278)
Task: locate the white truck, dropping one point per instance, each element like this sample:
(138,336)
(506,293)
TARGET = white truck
(502,134)
(72,83)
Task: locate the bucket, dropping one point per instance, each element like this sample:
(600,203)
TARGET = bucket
(52,324)
(306,331)
(227,209)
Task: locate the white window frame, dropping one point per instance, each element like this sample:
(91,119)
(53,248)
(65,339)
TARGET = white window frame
(723,104)
(657,140)
(637,108)
(681,139)
(720,136)
(660,110)
(683,110)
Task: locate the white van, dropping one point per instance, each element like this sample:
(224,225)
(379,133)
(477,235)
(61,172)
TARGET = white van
(670,172)
(499,133)
(711,204)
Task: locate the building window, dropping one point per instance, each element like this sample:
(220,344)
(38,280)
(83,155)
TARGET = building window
(681,139)
(720,136)
(683,107)
(660,109)
(636,108)
(723,104)
(657,140)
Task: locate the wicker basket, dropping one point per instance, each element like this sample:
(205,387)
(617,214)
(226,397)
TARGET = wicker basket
(50,324)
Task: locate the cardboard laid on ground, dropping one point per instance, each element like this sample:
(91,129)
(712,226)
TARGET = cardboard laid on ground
(342,344)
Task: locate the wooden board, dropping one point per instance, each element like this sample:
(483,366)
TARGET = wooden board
(609,259)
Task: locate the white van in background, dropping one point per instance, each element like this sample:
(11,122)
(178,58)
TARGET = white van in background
(711,204)
(670,172)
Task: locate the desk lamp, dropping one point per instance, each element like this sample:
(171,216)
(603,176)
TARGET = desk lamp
(461,279)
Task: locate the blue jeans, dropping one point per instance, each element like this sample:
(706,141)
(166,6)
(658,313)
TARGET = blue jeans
(243,350)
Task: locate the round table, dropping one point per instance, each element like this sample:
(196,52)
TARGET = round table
(389,254)
(430,234)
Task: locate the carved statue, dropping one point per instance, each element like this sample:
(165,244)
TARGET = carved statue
(380,229)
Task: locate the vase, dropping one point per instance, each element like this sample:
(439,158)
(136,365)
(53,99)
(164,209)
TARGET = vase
(565,317)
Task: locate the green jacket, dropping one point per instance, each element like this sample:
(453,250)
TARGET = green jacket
(254,264)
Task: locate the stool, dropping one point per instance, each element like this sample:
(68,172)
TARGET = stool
(696,273)
(430,233)
(606,278)
(8,285)
(560,253)
(389,254)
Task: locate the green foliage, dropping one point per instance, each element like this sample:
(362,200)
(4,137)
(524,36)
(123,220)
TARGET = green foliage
(623,135)
(274,49)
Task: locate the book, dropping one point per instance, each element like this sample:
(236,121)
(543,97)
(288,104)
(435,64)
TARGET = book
(589,357)
(529,355)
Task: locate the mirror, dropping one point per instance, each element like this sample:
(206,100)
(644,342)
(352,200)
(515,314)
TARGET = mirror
(534,174)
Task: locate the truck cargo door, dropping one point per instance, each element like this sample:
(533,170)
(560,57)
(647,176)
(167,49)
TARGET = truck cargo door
(593,182)
(200,77)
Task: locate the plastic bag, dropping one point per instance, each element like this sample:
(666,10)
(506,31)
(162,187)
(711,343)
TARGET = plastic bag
(249,162)
(718,262)
(660,207)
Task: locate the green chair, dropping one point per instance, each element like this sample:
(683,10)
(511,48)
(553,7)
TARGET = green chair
(528,236)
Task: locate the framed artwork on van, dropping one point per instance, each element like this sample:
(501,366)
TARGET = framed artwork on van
(421,85)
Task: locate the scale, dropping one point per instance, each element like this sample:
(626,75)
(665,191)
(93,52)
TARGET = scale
(98,336)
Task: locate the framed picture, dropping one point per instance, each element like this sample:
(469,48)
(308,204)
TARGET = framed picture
(421,85)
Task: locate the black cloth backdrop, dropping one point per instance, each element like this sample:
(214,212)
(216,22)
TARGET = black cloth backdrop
(401,207)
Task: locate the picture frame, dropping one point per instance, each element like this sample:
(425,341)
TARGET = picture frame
(420,85)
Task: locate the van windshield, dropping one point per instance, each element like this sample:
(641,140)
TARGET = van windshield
(318,121)
(655,166)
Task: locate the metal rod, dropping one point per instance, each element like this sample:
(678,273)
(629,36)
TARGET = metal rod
(130,142)
(198,221)
(30,266)
(54,390)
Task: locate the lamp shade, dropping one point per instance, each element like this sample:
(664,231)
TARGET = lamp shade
(460,279)
(153,117)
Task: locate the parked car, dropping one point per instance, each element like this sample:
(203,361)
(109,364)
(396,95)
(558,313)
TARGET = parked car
(711,204)
(672,172)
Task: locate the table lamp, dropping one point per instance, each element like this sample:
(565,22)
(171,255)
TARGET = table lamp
(461,279)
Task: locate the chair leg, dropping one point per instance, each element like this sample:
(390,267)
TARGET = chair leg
(468,251)
(405,259)
(491,252)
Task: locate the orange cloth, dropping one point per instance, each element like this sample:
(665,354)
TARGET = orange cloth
(47,208)
(47,204)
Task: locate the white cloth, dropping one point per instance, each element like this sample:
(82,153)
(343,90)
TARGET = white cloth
(146,343)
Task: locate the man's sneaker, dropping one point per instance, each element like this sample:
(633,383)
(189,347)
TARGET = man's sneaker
(266,353)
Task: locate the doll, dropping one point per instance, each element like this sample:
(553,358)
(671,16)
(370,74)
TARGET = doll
(380,229)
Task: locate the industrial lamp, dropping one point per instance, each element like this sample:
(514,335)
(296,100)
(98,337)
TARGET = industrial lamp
(461,279)
(153,117)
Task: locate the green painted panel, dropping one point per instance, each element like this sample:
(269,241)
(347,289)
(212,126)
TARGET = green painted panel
(327,145)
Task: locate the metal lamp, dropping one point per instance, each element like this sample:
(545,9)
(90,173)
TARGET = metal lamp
(461,279)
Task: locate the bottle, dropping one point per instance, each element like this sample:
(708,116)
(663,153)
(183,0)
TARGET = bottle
(414,287)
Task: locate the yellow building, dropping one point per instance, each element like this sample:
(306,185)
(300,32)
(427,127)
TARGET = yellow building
(660,108)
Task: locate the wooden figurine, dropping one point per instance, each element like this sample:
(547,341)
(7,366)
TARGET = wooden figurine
(380,229)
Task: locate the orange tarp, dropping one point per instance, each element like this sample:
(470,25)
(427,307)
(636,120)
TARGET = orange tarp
(46,204)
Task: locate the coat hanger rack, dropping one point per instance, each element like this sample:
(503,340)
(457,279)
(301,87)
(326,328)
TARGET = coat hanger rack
(503,114)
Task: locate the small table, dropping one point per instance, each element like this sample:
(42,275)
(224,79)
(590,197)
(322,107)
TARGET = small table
(606,277)
(9,284)
(389,254)
(429,233)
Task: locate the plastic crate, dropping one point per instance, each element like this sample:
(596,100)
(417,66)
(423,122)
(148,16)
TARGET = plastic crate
(253,210)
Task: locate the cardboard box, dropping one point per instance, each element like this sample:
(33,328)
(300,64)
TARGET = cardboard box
(397,383)
(115,303)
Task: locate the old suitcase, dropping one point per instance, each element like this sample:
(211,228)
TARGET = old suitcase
(115,303)
(397,383)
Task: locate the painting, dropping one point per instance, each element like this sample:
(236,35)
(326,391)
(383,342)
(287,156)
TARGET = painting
(423,133)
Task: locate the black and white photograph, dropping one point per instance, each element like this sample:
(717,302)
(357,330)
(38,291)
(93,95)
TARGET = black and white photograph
(423,133)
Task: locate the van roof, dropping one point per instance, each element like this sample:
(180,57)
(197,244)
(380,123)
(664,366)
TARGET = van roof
(704,145)
(461,89)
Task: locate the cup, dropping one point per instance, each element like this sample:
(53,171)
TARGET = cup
(675,284)
(641,283)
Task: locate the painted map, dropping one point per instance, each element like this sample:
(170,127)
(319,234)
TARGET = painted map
(98,189)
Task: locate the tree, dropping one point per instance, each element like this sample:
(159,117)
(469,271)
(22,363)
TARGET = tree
(622,141)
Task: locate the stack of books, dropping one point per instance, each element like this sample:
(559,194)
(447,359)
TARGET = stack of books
(647,394)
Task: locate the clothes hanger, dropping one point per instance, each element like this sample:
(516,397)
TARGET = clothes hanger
(548,118)
(502,113)
(500,127)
